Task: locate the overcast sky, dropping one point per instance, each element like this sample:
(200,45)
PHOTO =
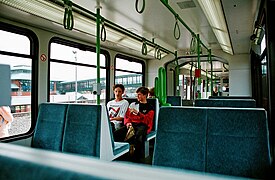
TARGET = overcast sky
(21,44)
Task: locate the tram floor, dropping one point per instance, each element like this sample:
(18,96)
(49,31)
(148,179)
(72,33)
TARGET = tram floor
(148,160)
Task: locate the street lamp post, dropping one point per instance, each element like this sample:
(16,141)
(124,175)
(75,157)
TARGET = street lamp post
(75,57)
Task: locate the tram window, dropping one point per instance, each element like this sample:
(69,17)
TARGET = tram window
(72,74)
(263,44)
(83,56)
(8,39)
(130,73)
(17,50)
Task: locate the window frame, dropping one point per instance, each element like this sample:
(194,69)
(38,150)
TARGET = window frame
(130,59)
(80,46)
(34,50)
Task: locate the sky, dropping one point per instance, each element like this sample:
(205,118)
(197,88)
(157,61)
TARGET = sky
(21,44)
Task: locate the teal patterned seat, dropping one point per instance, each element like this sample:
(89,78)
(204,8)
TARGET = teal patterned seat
(82,129)
(49,128)
(238,103)
(228,141)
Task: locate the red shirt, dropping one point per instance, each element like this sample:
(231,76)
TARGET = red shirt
(145,116)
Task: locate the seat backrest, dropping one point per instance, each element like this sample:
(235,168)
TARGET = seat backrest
(82,129)
(239,103)
(181,138)
(229,97)
(49,128)
(230,141)
(174,100)
(185,102)
(237,142)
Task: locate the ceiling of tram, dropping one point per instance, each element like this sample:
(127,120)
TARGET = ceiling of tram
(157,22)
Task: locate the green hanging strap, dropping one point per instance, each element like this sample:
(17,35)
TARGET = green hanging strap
(157,53)
(156,50)
(68,20)
(193,45)
(103,31)
(144,47)
(157,87)
(177,27)
(142,8)
(162,87)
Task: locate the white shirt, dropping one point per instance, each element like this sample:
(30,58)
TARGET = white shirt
(117,109)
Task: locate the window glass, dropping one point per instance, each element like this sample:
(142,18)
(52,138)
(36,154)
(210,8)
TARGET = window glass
(21,82)
(128,65)
(71,54)
(263,45)
(130,86)
(15,43)
(72,82)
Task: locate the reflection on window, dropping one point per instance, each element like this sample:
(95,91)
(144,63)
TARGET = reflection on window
(263,64)
(129,73)
(73,83)
(130,87)
(21,79)
(263,45)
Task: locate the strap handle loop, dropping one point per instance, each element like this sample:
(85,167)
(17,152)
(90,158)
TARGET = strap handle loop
(103,31)
(68,20)
(144,47)
(142,8)
(177,28)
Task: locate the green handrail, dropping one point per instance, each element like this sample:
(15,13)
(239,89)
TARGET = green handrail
(157,87)
(211,63)
(165,2)
(199,66)
(79,9)
(98,18)
(177,74)
(162,87)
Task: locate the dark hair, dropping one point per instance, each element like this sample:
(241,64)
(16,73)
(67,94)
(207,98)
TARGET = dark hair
(152,91)
(119,86)
(143,90)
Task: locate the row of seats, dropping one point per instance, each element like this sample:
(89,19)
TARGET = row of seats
(231,141)
(230,97)
(239,103)
(76,128)
(19,162)
(222,101)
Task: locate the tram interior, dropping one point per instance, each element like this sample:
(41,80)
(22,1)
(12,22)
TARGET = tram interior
(172,31)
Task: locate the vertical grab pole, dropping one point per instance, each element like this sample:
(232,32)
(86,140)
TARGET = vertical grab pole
(199,66)
(157,87)
(162,87)
(207,81)
(177,75)
(98,48)
(210,58)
